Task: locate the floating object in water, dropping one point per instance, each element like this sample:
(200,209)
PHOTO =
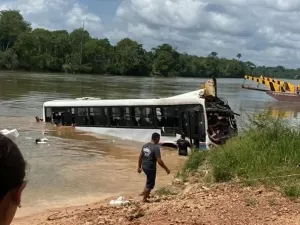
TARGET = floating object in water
(37,119)
(41,140)
(88,98)
(120,201)
(10,133)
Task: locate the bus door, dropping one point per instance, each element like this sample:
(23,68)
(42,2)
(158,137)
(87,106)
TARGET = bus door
(185,123)
(193,124)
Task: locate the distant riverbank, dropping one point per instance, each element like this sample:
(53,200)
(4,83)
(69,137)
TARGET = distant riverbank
(26,72)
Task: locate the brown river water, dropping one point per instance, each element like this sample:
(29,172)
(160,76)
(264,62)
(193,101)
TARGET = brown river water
(76,168)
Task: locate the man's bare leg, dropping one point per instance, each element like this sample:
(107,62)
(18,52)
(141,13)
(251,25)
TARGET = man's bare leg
(146,195)
(143,192)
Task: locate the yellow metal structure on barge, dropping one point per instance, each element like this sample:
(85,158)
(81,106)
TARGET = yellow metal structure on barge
(280,90)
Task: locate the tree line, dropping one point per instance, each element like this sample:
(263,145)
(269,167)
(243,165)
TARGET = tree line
(41,50)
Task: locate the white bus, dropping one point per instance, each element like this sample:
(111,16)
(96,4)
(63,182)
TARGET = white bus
(137,119)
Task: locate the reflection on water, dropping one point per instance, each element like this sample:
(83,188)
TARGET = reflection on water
(288,109)
(75,167)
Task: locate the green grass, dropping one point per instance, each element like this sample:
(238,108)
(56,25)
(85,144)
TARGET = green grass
(164,191)
(267,152)
(195,160)
(291,190)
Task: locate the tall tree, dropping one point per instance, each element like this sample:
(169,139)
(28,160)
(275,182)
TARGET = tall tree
(213,54)
(12,24)
(165,61)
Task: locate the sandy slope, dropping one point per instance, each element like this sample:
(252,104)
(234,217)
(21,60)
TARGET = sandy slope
(195,204)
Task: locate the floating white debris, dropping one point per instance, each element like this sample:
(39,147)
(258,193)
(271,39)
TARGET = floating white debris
(120,201)
(41,141)
(10,133)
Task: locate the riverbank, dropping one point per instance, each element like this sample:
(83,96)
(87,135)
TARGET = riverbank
(252,179)
(194,204)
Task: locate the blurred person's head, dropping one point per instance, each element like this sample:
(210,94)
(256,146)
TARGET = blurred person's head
(12,174)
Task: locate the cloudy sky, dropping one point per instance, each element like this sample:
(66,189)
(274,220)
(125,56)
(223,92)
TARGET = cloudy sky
(263,31)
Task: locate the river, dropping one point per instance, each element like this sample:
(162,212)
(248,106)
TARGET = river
(77,168)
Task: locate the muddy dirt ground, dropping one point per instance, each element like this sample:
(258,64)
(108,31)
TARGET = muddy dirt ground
(225,204)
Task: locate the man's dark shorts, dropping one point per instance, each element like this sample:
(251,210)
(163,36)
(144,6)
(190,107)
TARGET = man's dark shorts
(151,176)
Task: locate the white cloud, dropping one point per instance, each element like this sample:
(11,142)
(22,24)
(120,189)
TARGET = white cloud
(56,14)
(263,31)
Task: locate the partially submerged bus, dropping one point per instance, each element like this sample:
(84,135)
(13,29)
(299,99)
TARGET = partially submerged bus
(137,119)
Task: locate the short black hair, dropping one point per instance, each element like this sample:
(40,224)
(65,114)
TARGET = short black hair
(12,166)
(183,135)
(155,136)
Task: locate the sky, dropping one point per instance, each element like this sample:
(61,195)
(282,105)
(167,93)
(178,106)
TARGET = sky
(266,32)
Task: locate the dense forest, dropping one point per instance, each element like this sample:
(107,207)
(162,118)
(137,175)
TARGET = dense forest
(41,50)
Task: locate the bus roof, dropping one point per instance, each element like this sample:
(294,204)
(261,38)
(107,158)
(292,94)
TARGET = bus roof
(187,98)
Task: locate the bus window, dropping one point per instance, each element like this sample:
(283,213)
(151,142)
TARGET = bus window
(82,116)
(115,116)
(159,117)
(136,117)
(167,117)
(143,117)
(100,116)
(147,117)
(125,120)
(59,116)
(67,117)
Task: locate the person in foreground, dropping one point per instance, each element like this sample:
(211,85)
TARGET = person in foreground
(183,145)
(150,154)
(12,174)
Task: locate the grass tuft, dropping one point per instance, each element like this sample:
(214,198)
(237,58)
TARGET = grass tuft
(193,163)
(164,191)
(292,191)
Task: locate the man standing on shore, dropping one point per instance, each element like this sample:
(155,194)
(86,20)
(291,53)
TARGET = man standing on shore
(150,154)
